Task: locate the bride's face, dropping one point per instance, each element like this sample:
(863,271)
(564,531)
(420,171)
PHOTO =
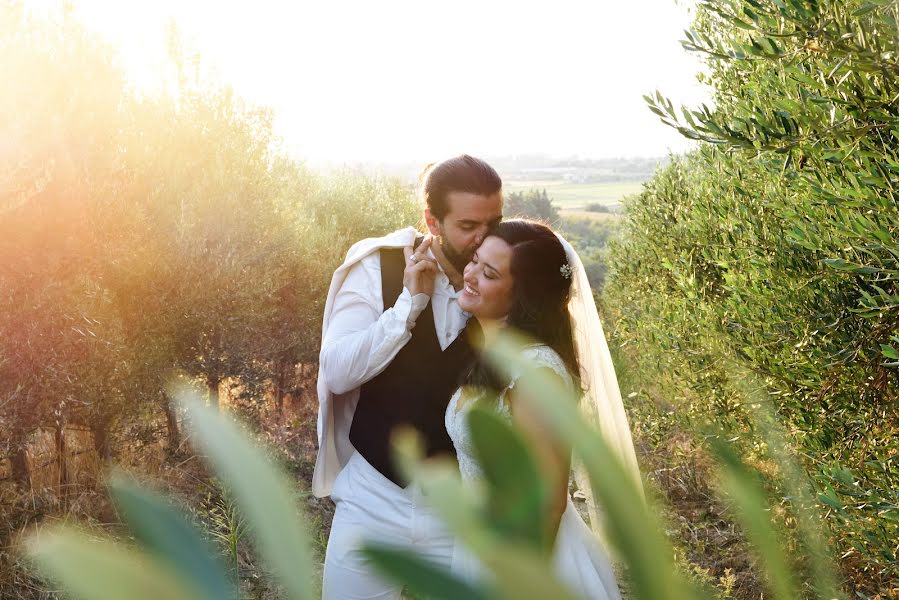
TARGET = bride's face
(487,294)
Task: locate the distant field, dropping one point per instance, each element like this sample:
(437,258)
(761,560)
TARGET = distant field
(574,196)
(585,214)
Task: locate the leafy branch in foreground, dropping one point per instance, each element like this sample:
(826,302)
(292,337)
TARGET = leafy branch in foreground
(501,523)
(517,569)
(172,558)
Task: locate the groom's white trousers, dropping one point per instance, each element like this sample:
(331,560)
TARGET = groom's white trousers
(370,507)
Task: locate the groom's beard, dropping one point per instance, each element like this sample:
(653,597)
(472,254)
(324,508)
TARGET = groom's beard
(458,259)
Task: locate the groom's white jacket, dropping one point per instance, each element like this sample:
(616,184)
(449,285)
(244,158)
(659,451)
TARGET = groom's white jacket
(357,349)
(335,411)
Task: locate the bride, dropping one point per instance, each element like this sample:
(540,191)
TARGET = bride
(525,277)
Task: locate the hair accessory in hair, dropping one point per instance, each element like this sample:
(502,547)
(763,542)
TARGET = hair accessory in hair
(566,270)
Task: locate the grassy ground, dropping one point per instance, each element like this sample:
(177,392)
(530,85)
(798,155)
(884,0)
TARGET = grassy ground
(708,545)
(575,196)
(290,433)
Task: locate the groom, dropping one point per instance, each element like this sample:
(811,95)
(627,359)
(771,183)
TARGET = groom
(393,350)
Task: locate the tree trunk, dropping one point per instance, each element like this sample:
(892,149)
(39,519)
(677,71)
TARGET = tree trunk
(21,472)
(102,443)
(171,421)
(280,385)
(62,463)
(213,382)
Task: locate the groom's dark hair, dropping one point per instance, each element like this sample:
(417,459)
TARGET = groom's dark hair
(461,173)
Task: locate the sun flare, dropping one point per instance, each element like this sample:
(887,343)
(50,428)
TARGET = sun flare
(357,81)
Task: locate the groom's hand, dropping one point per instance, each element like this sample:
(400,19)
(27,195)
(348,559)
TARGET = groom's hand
(421,270)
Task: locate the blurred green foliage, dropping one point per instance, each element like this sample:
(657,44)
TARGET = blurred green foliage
(775,242)
(501,522)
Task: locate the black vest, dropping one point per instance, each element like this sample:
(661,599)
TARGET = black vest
(416,386)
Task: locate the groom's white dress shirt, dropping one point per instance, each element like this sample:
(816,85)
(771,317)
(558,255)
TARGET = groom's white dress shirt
(359,340)
(362,340)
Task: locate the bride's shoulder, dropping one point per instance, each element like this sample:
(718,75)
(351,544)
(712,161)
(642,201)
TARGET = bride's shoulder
(543,356)
(536,351)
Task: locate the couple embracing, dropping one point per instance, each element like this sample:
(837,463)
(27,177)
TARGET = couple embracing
(398,349)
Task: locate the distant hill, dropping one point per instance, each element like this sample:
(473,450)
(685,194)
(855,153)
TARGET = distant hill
(541,169)
(577,170)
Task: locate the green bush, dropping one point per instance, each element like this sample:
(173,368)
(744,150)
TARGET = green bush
(598,207)
(591,239)
(775,243)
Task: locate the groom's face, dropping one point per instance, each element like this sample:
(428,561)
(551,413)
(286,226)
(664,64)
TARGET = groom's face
(469,218)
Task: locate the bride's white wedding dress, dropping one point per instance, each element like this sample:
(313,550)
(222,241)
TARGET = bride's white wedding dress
(580,561)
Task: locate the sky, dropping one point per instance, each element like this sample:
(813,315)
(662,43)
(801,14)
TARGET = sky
(359,81)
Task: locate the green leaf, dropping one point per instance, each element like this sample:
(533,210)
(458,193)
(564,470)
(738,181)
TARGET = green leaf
(264,494)
(795,482)
(516,493)
(889,351)
(843,475)
(841,265)
(891,514)
(164,532)
(630,526)
(518,571)
(95,569)
(864,9)
(831,501)
(422,577)
(789,105)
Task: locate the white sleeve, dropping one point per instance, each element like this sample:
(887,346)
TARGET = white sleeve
(361,339)
(543,357)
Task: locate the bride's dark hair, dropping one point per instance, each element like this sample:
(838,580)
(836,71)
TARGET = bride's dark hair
(541,288)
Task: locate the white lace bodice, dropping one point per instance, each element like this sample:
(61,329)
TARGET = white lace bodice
(580,562)
(457,425)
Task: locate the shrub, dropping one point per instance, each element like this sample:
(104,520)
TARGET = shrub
(774,242)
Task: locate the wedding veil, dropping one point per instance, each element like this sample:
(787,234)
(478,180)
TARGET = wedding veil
(602,397)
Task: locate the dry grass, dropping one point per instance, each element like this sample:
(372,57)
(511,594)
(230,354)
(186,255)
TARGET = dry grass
(290,432)
(708,544)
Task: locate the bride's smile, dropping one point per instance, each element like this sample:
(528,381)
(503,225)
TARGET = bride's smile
(487,294)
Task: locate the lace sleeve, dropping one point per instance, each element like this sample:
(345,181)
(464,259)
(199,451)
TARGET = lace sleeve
(543,356)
